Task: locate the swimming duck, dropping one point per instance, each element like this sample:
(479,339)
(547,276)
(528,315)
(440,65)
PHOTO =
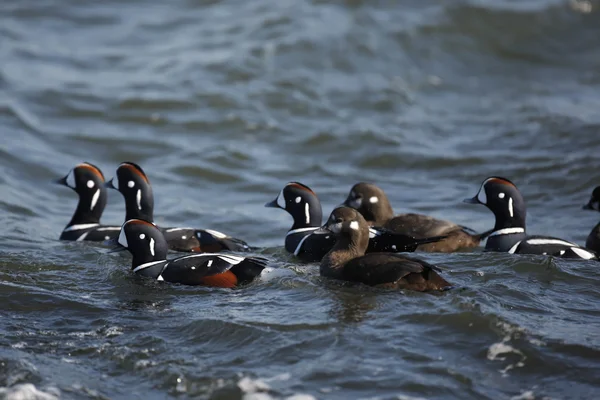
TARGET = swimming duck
(503,198)
(88,182)
(149,248)
(372,202)
(347,259)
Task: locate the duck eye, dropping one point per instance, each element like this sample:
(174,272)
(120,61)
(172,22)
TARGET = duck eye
(339,220)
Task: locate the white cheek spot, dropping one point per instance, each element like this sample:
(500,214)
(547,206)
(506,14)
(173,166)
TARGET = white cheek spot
(138,198)
(152,246)
(373,199)
(510,207)
(130,184)
(142,236)
(90,183)
(71,180)
(307,213)
(501,195)
(354,225)
(298,199)
(281,200)
(94,198)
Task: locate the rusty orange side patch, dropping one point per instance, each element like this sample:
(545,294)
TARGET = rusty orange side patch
(225,279)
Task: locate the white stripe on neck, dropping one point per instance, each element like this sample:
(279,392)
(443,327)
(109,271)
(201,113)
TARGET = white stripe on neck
(293,231)
(299,247)
(147,265)
(507,231)
(78,227)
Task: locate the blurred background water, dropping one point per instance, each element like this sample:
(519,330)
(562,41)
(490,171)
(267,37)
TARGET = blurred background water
(224,101)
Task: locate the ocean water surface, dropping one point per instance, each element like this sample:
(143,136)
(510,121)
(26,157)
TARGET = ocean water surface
(224,101)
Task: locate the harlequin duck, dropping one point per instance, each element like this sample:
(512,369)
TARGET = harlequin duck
(347,259)
(593,239)
(306,241)
(503,198)
(149,248)
(87,180)
(135,187)
(372,202)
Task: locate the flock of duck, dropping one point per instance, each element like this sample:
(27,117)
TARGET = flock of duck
(360,241)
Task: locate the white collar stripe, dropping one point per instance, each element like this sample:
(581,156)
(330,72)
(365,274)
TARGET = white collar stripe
(147,265)
(507,231)
(299,247)
(293,231)
(78,227)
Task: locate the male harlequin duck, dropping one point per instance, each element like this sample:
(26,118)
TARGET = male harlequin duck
(347,259)
(149,248)
(135,187)
(372,202)
(306,241)
(87,180)
(593,239)
(503,198)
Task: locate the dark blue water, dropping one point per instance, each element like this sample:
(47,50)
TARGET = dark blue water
(222,103)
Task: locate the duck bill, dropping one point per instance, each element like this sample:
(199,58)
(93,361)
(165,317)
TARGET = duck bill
(272,204)
(589,205)
(322,230)
(109,184)
(116,246)
(62,181)
(472,200)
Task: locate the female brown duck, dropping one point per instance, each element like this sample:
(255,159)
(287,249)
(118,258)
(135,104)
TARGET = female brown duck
(372,202)
(347,259)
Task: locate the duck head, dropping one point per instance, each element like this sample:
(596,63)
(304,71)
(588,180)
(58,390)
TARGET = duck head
(135,187)
(503,198)
(371,201)
(88,182)
(301,202)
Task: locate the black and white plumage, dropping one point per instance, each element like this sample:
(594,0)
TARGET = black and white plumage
(149,249)
(306,241)
(593,240)
(88,182)
(503,198)
(133,184)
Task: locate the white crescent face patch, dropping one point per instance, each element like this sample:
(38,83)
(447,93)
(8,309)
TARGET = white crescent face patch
(71,180)
(123,239)
(281,200)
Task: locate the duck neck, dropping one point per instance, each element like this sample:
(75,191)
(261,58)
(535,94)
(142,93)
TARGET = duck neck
(89,209)
(140,205)
(378,213)
(309,217)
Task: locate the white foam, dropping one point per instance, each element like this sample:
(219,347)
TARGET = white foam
(27,391)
